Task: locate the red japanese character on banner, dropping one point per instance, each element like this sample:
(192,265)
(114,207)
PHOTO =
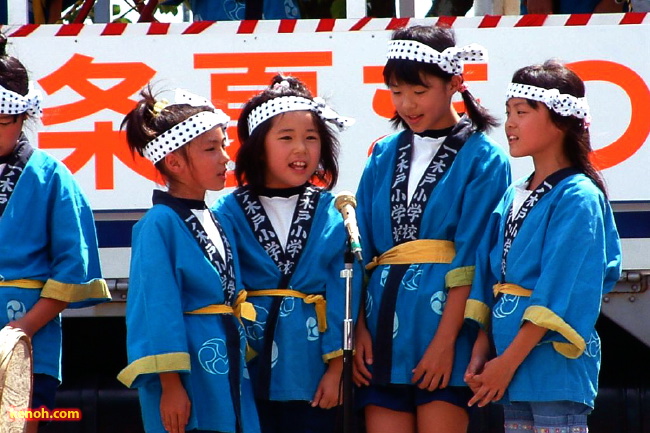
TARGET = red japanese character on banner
(235,78)
(104,143)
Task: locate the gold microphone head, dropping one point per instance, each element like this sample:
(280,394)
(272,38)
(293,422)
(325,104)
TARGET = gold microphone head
(344,198)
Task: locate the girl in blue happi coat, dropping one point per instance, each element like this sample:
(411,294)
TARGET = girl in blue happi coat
(291,243)
(185,342)
(424,198)
(49,258)
(549,254)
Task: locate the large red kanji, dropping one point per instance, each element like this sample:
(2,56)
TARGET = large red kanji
(103,143)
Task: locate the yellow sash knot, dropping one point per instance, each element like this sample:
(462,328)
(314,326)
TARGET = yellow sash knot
(418,251)
(320,304)
(240,309)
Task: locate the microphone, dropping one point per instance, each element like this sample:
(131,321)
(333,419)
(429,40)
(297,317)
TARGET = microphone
(346,203)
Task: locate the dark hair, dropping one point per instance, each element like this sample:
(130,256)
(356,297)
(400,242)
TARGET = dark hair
(577,143)
(251,166)
(13,74)
(408,71)
(142,124)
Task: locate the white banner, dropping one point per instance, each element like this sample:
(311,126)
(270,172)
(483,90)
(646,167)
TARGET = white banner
(91,76)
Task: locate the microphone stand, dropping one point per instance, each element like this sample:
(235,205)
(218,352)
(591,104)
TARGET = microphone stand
(348,345)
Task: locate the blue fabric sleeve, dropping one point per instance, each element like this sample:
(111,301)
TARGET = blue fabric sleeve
(490,179)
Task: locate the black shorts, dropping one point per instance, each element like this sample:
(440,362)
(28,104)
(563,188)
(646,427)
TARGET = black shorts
(406,398)
(44,391)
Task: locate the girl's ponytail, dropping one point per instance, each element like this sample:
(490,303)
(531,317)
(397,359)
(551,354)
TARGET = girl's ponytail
(480,116)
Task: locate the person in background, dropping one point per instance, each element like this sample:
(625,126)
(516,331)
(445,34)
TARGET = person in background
(49,259)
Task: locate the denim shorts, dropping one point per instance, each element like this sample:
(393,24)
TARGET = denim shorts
(406,398)
(561,416)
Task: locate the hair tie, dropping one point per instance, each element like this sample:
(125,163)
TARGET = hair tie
(159,106)
(284,84)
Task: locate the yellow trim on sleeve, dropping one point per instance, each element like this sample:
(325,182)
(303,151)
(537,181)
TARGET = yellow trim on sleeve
(332,355)
(462,276)
(542,316)
(320,304)
(418,251)
(95,289)
(23,284)
(478,311)
(511,289)
(176,361)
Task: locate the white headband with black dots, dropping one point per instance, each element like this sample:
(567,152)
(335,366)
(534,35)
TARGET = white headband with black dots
(451,60)
(15,103)
(190,128)
(562,103)
(283,104)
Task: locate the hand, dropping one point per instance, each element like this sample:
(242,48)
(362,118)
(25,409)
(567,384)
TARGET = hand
(327,394)
(23,325)
(174,403)
(493,381)
(475,367)
(480,355)
(362,355)
(544,7)
(434,369)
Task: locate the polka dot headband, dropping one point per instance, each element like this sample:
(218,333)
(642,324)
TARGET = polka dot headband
(562,103)
(451,60)
(283,104)
(185,131)
(15,103)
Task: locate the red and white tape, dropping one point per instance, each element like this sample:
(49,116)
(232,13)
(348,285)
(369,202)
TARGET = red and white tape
(324,25)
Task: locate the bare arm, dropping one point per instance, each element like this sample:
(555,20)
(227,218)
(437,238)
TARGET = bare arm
(174,403)
(43,311)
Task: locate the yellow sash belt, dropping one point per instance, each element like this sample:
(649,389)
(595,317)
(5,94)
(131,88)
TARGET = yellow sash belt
(23,284)
(240,308)
(511,289)
(418,251)
(318,300)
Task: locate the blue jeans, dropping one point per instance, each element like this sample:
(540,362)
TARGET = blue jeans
(546,417)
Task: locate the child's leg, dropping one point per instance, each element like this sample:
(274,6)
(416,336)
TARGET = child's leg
(387,409)
(443,410)
(518,418)
(560,417)
(442,417)
(382,420)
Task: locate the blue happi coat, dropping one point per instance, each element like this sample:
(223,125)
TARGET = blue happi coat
(567,251)
(300,352)
(456,210)
(47,235)
(170,276)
